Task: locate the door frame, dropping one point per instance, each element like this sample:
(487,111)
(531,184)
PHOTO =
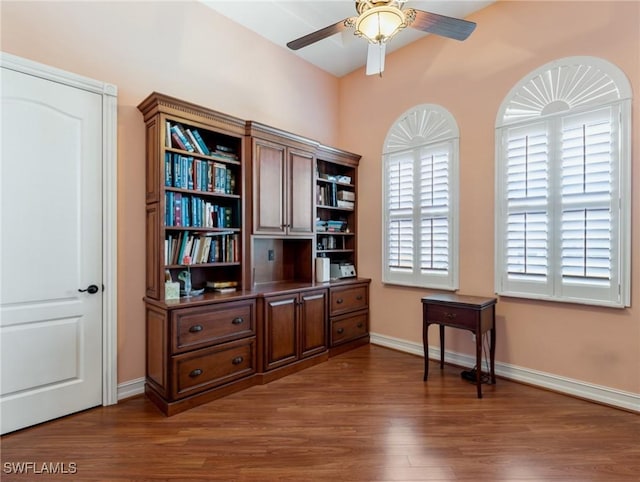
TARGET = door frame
(109,93)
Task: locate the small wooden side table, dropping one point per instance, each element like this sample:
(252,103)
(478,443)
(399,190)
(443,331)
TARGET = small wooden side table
(472,313)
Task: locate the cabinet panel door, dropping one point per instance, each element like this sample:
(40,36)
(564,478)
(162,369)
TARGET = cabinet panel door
(313,322)
(268,187)
(280,330)
(300,192)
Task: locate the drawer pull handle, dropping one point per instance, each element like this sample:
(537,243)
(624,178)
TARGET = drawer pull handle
(340,331)
(237,360)
(359,297)
(195,373)
(339,301)
(360,325)
(237,321)
(196,328)
(449,316)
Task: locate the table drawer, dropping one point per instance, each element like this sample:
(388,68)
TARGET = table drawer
(206,325)
(458,317)
(344,300)
(203,369)
(349,327)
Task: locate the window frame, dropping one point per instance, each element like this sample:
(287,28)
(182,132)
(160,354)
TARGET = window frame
(425,127)
(514,115)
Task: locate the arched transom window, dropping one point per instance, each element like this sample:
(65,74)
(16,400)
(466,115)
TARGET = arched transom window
(420,212)
(563,184)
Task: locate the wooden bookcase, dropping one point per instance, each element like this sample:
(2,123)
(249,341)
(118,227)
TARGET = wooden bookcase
(194,193)
(239,199)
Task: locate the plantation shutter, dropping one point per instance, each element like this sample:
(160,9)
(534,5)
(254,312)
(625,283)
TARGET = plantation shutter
(400,205)
(418,234)
(563,185)
(589,208)
(527,197)
(434,210)
(420,199)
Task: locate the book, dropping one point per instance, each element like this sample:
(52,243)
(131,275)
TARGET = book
(193,141)
(345,204)
(224,290)
(177,141)
(201,143)
(168,172)
(167,134)
(221,284)
(177,128)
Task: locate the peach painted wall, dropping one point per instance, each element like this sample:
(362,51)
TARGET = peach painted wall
(186,50)
(183,49)
(594,345)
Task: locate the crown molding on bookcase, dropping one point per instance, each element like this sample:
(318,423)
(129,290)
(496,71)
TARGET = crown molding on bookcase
(566,386)
(166,104)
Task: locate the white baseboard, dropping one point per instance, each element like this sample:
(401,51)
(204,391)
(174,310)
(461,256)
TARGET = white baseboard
(576,388)
(130,388)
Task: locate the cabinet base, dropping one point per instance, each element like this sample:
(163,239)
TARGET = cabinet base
(172,408)
(276,373)
(350,345)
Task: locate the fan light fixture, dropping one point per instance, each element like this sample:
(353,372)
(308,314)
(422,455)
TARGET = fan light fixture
(379,24)
(378,21)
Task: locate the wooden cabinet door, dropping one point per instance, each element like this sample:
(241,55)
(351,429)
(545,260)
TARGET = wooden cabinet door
(269,167)
(313,322)
(280,330)
(300,192)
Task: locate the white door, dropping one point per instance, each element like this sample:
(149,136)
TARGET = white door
(50,244)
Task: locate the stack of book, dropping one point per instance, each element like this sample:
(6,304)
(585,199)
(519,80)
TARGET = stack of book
(222,286)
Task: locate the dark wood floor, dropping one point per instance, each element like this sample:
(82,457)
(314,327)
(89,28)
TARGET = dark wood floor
(365,415)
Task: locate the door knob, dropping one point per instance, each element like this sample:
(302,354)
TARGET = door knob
(91,289)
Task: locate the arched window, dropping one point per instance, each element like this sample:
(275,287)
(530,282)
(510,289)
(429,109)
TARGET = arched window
(420,177)
(563,185)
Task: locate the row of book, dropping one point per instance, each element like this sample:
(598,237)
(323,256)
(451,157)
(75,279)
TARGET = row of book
(185,172)
(189,139)
(194,212)
(329,195)
(218,247)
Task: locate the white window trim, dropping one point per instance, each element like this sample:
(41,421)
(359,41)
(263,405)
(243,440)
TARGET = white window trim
(424,126)
(517,110)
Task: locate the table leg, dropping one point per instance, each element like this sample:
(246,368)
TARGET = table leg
(479,362)
(441,347)
(425,342)
(492,355)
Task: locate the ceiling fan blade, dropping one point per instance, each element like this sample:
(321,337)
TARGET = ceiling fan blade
(314,37)
(375,59)
(442,25)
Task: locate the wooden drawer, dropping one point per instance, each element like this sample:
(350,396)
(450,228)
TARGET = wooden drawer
(347,299)
(447,315)
(208,368)
(349,327)
(212,324)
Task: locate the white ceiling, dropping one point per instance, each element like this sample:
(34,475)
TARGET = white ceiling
(283,21)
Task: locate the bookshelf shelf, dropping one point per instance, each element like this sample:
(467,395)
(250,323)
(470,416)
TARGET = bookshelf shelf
(337,183)
(334,208)
(200,265)
(230,162)
(329,251)
(203,193)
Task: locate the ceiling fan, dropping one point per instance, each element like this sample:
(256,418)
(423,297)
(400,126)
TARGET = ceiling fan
(379,20)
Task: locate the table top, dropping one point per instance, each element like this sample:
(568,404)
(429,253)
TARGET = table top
(477,302)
